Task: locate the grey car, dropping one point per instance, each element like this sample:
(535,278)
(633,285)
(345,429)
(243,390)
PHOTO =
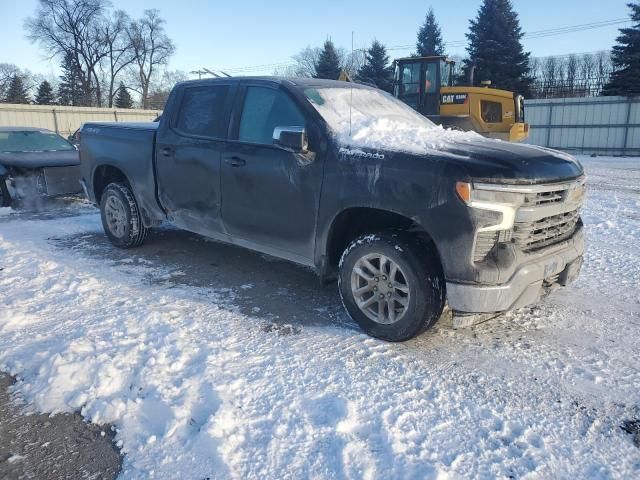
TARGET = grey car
(36,161)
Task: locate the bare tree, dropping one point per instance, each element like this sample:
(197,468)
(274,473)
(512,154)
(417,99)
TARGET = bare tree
(161,90)
(72,27)
(534,68)
(572,74)
(152,48)
(119,51)
(587,70)
(352,62)
(305,62)
(285,71)
(550,71)
(604,67)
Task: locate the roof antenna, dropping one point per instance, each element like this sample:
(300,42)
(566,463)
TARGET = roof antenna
(351,90)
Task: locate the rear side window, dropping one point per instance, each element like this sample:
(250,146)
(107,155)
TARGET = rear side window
(202,111)
(265,109)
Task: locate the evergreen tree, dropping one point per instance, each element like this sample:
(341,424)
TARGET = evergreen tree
(45,96)
(495,48)
(625,79)
(430,37)
(376,68)
(328,63)
(16,93)
(123,98)
(70,91)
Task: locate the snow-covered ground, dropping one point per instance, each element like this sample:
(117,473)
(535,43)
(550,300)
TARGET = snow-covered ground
(215,362)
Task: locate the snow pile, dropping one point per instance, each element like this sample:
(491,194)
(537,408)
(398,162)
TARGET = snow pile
(196,388)
(373,119)
(5,211)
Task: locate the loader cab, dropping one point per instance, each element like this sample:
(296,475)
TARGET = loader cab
(418,81)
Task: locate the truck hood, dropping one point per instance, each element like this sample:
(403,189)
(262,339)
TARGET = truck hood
(503,162)
(63,158)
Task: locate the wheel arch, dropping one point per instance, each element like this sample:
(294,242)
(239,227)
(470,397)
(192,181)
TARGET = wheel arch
(352,222)
(103,175)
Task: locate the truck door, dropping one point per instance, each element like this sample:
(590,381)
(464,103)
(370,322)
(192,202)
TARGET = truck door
(189,146)
(269,195)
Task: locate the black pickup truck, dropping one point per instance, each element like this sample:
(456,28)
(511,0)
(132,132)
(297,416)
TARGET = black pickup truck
(345,179)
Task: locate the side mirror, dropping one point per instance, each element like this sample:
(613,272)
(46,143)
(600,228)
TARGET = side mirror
(291,138)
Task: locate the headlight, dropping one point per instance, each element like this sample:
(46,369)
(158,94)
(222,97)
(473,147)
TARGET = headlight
(494,211)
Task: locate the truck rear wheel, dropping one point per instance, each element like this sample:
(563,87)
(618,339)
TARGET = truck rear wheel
(121,218)
(391,286)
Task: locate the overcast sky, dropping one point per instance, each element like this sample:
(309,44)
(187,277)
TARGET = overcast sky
(233,34)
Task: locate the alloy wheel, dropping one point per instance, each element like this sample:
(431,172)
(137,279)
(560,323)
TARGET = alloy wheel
(116,216)
(380,288)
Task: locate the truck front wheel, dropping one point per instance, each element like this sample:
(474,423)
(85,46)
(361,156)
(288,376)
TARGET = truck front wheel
(121,218)
(391,285)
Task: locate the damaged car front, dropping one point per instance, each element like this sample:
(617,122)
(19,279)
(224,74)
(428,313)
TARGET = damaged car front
(35,163)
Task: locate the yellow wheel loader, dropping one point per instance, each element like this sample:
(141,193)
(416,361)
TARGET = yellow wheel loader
(426,84)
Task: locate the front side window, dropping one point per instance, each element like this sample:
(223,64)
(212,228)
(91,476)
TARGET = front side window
(265,109)
(202,111)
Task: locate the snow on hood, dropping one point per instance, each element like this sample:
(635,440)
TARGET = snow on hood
(369,118)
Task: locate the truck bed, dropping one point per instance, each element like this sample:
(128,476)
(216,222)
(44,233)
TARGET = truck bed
(129,147)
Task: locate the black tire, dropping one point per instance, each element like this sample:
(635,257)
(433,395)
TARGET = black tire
(130,231)
(5,197)
(418,266)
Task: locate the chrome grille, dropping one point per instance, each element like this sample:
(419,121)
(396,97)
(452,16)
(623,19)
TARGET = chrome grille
(547,197)
(546,231)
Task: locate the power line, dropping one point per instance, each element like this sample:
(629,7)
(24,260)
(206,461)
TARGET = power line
(538,33)
(455,44)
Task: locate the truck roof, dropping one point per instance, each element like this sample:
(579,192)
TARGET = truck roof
(292,81)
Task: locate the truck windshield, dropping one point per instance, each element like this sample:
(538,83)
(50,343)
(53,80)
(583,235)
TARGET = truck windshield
(365,117)
(370,118)
(363,107)
(32,141)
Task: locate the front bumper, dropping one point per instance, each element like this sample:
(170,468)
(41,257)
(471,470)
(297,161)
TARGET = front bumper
(559,263)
